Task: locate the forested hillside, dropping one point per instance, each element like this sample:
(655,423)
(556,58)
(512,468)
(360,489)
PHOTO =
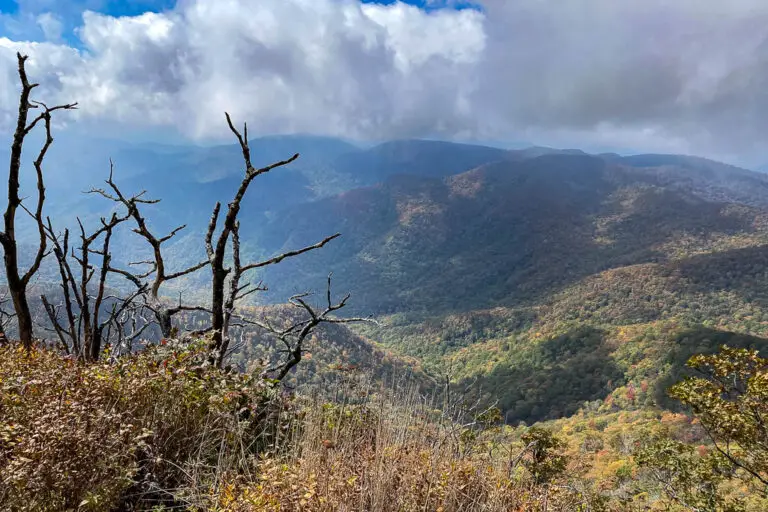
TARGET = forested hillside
(475,259)
(508,288)
(492,290)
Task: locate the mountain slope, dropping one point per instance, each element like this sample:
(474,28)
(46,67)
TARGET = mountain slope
(502,233)
(548,282)
(712,180)
(504,269)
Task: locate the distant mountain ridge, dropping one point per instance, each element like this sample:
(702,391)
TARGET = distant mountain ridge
(327,166)
(524,214)
(494,266)
(428,198)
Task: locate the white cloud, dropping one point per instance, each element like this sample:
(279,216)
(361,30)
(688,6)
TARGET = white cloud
(416,36)
(692,72)
(51,25)
(327,66)
(685,76)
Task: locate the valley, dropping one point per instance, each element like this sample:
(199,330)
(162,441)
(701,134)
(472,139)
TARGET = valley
(489,266)
(558,288)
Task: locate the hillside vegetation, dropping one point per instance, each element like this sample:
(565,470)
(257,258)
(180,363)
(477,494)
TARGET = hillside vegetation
(530,330)
(163,430)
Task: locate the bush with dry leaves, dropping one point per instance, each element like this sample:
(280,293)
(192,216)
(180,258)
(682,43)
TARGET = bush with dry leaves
(133,433)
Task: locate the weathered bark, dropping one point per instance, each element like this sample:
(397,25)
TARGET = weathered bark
(221,307)
(17,283)
(217,317)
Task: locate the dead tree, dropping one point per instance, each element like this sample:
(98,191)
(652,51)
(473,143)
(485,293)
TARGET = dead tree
(158,274)
(84,302)
(127,324)
(217,249)
(18,282)
(294,337)
(82,329)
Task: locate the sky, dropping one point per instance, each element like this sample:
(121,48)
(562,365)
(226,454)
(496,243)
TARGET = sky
(689,76)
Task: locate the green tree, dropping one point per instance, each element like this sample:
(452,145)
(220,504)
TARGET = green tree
(686,478)
(544,459)
(730,398)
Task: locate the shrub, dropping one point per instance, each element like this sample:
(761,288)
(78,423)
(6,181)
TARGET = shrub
(137,431)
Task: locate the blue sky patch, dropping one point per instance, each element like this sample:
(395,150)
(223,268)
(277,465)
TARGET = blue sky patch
(19,18)
(134,7)
(430,5)
(67,7)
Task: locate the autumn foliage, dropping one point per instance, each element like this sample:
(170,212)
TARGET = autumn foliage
(96,436)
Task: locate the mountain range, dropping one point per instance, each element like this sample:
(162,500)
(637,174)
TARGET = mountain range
(501,268)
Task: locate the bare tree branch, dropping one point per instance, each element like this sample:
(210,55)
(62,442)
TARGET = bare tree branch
(4,317)
(68,284)
(294,337)
(17,283)
(163,314)
(289,254)
(85,331)
(53,316)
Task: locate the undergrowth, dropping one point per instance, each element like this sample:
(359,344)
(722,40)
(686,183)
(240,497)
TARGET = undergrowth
(393,450)
(163,430)
(133,433)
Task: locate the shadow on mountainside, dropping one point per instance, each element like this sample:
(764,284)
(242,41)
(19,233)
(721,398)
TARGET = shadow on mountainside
(741,271)
(553,378)
(509,233)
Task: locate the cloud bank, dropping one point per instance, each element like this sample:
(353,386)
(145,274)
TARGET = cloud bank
(651,75)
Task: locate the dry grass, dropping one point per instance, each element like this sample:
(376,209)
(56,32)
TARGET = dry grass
(161,431)
(394,451)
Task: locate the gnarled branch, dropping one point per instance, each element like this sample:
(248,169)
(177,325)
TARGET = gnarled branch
(17,283)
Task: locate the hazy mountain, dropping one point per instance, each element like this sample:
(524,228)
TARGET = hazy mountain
(415,157)
(190,179)
(710,179)
(509,230)
(483,263)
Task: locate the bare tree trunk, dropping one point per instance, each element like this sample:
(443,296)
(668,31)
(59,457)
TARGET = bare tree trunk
(217,306)
(17,283)
(24,316)
(85,278)
(164,320)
